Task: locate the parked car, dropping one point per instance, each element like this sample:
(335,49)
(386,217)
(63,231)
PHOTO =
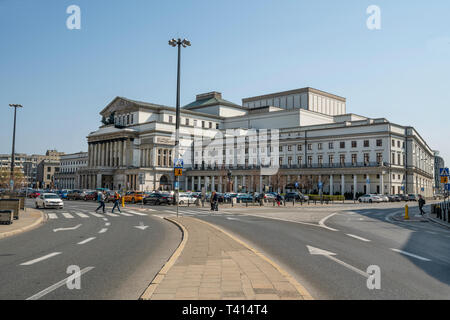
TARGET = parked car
(412,197)
(186,198)
(370,198)
(383,197)
(134,196)
(393,198)
(91,196)
(34,194)
(402,197)
(49,200)
(74,195)
(244,197)
(295,195)
(158,198)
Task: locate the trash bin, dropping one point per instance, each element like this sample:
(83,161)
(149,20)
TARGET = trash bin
(6,216)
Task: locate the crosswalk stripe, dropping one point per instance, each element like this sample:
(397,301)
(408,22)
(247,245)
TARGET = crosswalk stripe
(151,209)
(137,213)
(125,214)
(96,214)
(82,215)
(52,216)
(112,214)
(67,215)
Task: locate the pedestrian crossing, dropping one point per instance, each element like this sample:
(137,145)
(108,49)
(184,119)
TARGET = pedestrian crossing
(86,214)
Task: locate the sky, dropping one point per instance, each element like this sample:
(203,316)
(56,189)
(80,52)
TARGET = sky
(64,77)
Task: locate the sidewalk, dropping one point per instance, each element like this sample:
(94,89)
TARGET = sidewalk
(433,218)
(212,264)
(29,219)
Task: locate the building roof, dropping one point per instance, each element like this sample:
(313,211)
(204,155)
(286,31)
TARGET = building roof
(210,99)
(295,91)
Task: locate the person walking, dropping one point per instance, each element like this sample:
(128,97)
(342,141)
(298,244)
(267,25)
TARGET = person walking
(101,199)
(278,199)
(116,202)
(214,201)
(421,204)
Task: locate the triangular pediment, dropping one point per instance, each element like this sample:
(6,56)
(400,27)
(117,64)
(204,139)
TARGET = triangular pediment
(119,104)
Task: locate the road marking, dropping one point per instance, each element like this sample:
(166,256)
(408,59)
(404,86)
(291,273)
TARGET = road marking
(67,215)
(95,214)
(87,240)
(40,259)
(57,285)
(141,226)
(112,214)
(125,214)
(107,224)
(105,219)
(410,254)
(357,237)
(67,229)
(82,215)
(103,230)
(233,219)
(151,209)
(330,255)
(322,222)
(52,216)
(170,211)
(137,213)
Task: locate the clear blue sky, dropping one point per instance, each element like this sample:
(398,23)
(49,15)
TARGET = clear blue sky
(240,48)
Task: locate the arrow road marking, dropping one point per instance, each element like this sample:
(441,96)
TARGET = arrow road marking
(141,226)
(322,222)
(66,229)
(330,255)
(40,259)
(57,285)
(410,254)
(103,230)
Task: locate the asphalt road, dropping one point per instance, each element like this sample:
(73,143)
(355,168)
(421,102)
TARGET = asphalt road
(117,260)
(413,258)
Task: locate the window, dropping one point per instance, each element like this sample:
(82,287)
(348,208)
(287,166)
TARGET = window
(398,143)
(393,158)
(320,159)
(319,146)
(289,160)
(393,142)
(379,158)
(309,161)
(309,146)
(299,160)
(280,159)
(403,145)
(159,157)
(354,158)
(331,159)
(49,169)
(170,119)
(48,177)
(280,149)
(217,126)
(203,124)
(210,125)
(187,121)
(195,123)
(379,143)
(342,158)
(289,148)
(366,143)
(366,158)
(128,119)
(342,145)
(132,118)
(399,159)
(330,145)
(299,147)
(354,144)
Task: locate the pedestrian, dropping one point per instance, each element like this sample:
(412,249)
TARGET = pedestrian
(116,202)
(214,201)
(101,199)
(421,204)
(278,199)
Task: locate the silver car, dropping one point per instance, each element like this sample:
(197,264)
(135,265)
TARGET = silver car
(49,200)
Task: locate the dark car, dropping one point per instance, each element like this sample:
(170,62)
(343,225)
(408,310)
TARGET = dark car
(403,197)
(74,195)
(158,198)
(90,196)
(293,195)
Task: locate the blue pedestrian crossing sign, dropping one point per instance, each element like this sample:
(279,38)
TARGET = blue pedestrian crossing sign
(444,172)
(178,163)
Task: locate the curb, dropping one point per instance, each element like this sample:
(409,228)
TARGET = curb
(434,220)
(148,293)
(27,228)
(301,290)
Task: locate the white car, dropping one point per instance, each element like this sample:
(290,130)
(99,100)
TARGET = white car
(383,197)
(49,200)
(186,198)
(370,198)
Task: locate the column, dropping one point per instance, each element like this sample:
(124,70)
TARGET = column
(124,153)
(110,154)
(251,183)
(206,183)
(220,184)
(368,184)
(355,185)
(186,183)
(90,155)
(199,183)
(213,187)
(193,183)
(342,184)
(243,183)
(97,154)
(235,183)
(331,185)
(260,183)
(382,183)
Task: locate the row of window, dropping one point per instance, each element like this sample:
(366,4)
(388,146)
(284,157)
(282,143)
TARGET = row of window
(187,122)
(354,144)
(124,120)
(72,163)
(331,159)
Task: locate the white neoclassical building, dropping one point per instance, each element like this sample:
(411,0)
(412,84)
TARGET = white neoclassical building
(303,138)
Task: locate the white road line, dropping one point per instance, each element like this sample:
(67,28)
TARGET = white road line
(95,214)
(52,216)
(410,254)
(107,224)
(40,259)
(86,241)
(112,214)
(82,215)
(125,214)
(105,219)
(57,285)
(137,213)
(103,230)
(431,232)
(67,215)
(322,222)
(357,237)
(151,209)
(170,211)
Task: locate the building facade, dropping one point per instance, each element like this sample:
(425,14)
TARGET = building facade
(46,171)
(70,164)
(301,139)
(439,164)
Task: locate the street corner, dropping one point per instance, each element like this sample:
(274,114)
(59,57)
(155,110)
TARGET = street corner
(29,219)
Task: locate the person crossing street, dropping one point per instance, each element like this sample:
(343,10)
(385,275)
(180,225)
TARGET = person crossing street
(116,202)
(101,199)
(421,204)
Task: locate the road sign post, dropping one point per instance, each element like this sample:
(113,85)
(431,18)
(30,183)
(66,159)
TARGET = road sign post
(178,165)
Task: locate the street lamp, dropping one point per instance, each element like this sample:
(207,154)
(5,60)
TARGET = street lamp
(11,182)
(178,43)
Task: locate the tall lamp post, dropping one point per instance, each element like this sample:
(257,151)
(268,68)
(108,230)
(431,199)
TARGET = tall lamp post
(11,182)
(178,43)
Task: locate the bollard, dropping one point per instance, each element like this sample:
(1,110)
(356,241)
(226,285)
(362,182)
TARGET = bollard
(123,202)
(293,202)
(406,212)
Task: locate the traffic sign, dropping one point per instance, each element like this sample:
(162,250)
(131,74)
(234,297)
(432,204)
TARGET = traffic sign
(296,185)
(320,184)
(178,163)
(447,187)
(177,185)
(444,179)
(444,172)
(178,172)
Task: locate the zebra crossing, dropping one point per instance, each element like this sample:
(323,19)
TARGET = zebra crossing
(84,214)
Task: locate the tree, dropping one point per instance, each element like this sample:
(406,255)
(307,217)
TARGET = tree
(19,178)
